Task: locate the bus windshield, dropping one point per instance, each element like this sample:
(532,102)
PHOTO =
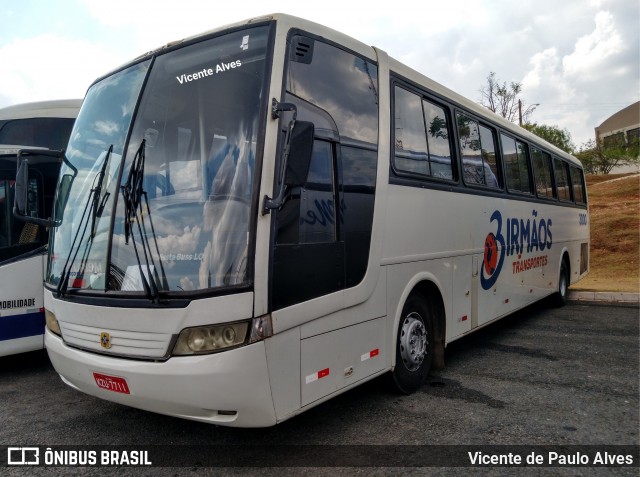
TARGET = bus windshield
(160,201)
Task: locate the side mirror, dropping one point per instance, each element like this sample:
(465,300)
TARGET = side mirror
(296,156)
(21,198)
(300,152)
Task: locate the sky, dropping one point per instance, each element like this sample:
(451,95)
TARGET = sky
(578,59)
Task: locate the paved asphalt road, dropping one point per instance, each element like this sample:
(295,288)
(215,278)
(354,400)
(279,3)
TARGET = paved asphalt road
(543,376)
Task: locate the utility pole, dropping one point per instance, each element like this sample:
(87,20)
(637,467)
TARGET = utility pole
(520,112)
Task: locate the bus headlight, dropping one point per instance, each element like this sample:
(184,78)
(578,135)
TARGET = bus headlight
(209,339)
(52,322)
(214,338)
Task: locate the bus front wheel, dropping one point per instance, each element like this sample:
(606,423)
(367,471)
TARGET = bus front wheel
(414,345)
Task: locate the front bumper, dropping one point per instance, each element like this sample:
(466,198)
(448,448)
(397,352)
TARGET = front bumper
(230,388)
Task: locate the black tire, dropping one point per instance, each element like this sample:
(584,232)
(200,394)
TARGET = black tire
(562,294)
(414,345)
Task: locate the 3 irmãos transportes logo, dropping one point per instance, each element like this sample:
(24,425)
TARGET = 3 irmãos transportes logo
(494,250)
(524,237)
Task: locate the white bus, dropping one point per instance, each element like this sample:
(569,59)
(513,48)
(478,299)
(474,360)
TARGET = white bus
(44,125)
(264,216)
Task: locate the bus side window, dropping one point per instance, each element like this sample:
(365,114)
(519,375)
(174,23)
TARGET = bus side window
(411,153)
(421,137)
(470,150)
(543,173)
(516,165)
(478,149)
(438,140)
(490,158)
(562,182)
(577,180)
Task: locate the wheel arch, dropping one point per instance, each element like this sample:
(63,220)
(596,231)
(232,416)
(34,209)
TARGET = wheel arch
(428,286)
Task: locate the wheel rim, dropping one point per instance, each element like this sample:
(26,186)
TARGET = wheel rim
(413,341)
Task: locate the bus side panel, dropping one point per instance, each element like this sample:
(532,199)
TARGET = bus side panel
(283,362)
(373,307)
(21,306)
(529,264)
(402,278)
(462,292)
(332,361)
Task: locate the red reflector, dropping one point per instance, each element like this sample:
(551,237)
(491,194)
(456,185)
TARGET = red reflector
(323,373)
(464,318)
(375,352)
(507,300)
(111,383)
(41,310)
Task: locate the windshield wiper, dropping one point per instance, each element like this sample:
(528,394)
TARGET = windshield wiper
(97,207)
(133,193)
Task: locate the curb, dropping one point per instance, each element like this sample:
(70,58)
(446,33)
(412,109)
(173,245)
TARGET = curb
(604,297)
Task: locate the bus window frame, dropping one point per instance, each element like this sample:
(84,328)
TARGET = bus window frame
(498,152)
(423,95)
(554,189)
(517,139)
(584,203)
(565,166)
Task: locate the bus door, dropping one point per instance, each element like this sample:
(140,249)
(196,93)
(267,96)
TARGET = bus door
(323,230)
(21,268)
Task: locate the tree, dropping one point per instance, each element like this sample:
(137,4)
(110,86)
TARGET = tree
(560,138)
(598,159)
(503,99)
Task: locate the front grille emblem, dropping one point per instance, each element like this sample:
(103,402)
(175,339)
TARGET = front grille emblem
(105,340)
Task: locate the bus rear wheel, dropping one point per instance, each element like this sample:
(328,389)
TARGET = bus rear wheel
(562,294)
(414,345)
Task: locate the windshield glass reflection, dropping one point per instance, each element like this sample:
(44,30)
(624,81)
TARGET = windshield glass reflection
(198,120)
(79,244)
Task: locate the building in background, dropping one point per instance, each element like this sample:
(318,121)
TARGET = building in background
(619,130)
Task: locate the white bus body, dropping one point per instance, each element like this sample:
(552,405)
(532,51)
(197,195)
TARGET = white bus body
(420,218)
(44,124)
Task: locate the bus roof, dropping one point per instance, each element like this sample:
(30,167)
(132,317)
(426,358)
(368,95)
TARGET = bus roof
(60,108)
(372,52)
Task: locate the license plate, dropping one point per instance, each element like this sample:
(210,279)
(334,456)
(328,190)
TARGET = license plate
(111,383)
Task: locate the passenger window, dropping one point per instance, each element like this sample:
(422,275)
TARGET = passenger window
(562,182)
(490,158)
(438,141)
(478,150)
(411,154)
(577,180)
(516,165)
(469,136)
(543,172)
(421,137)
